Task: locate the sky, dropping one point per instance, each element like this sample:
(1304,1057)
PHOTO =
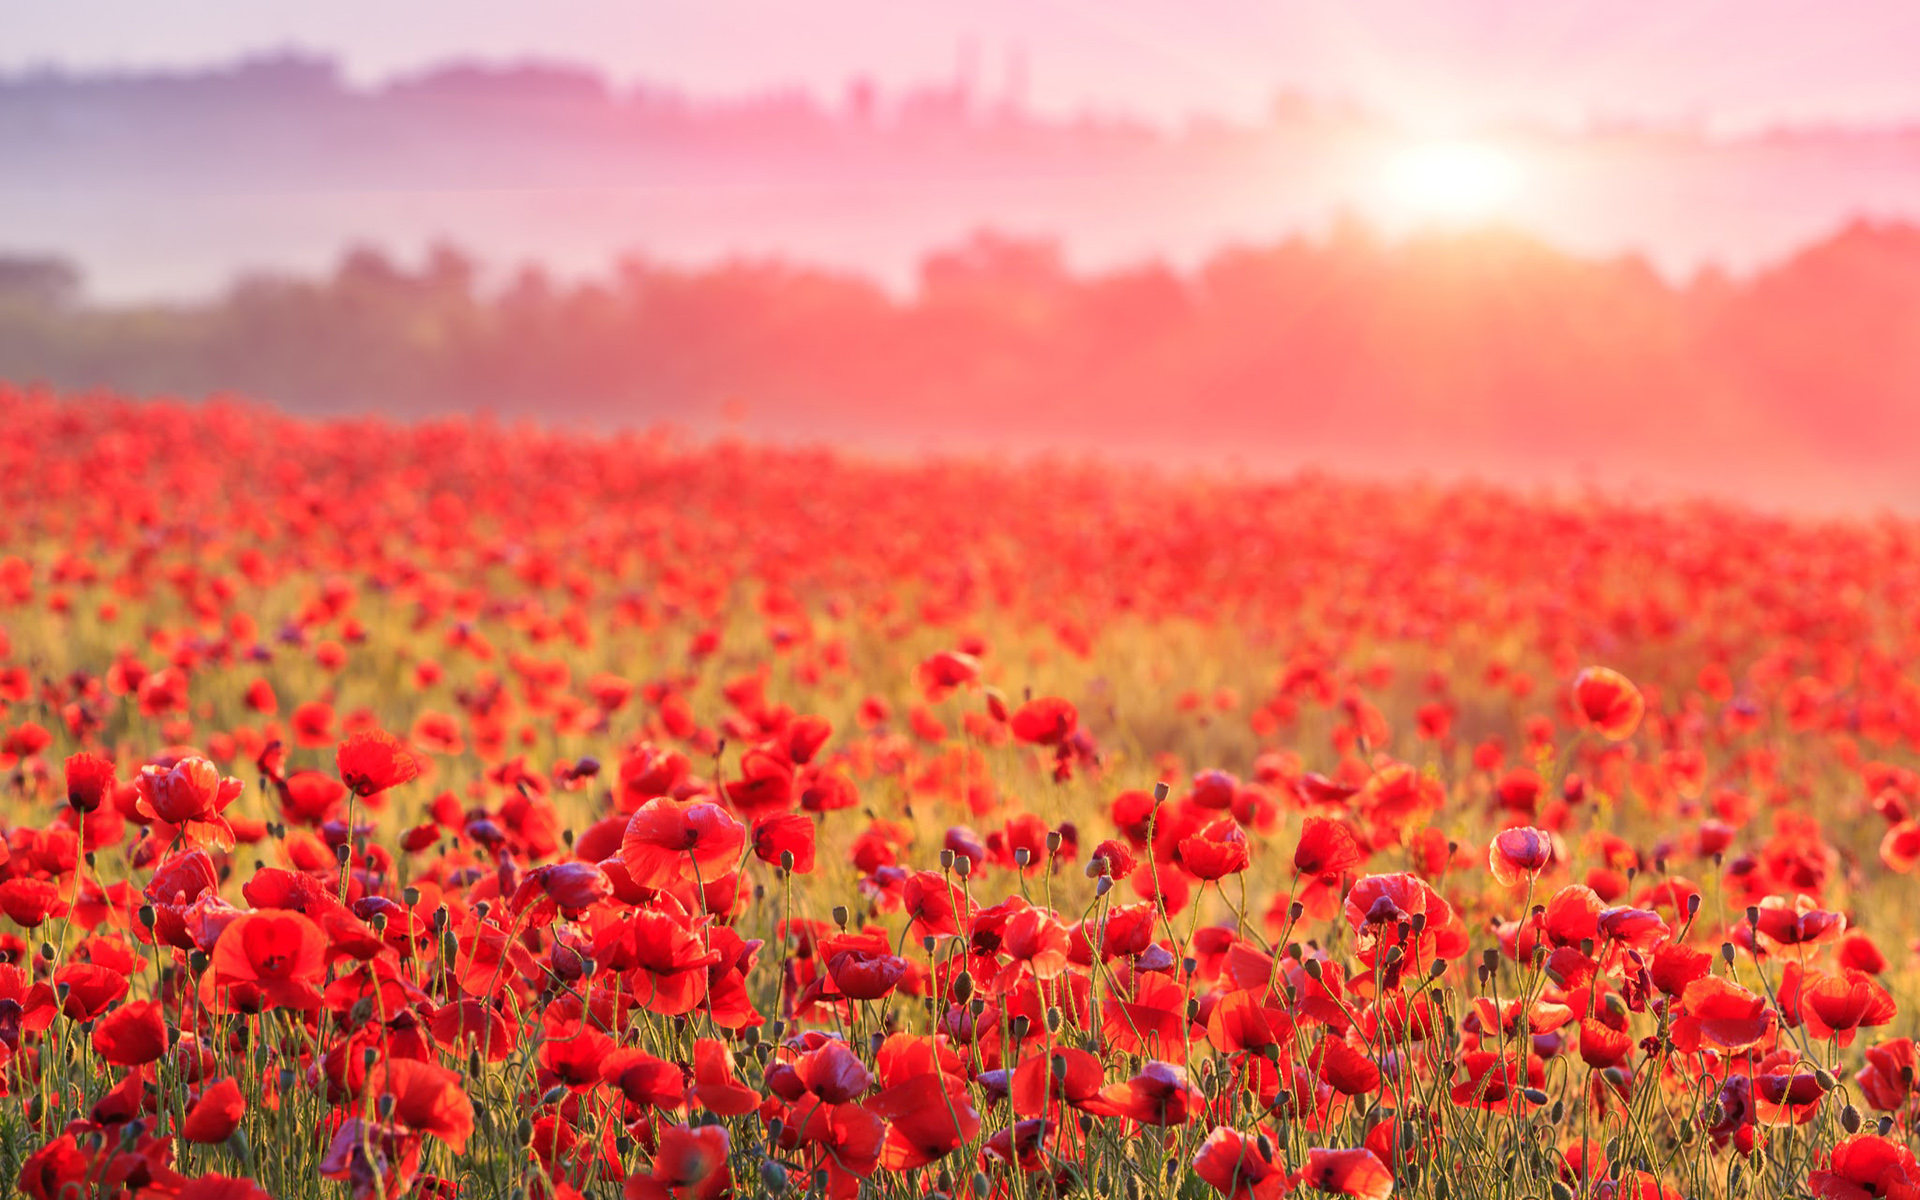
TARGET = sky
(1720,65)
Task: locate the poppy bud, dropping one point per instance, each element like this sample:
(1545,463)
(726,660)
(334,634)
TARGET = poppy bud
(773,1177)
(786,860)
(411,895)
(147,916)
(963,986)
(1825,1079)
(1020,1025)
(197,962)
(473,1062)
(1103,887)
(1296,910)
(1022,856)
(1438,969)
(775,1129)
(1053,1020)
(46,951)
(946,859)
(1313,969)
(1850,1119)
(1726,952)
(524,1130)
(980,1185)
(385,1107)
(1561,1191)
(553,1095)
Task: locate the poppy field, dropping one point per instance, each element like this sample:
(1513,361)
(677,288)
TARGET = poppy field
(459,810)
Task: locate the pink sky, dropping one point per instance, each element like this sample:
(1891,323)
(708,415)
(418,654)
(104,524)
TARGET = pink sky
(1725,64)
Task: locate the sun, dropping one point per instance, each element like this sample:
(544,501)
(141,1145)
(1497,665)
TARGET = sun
(1452,180)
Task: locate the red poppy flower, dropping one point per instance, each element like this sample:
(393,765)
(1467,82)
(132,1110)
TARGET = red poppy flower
(90,989)
(132,1035)
(1518,855)
(216,1114)
(373,760)
(784,834)
(670,840)
(1867,1165)
(427,1099)
(1835,1006)
(1887,1079)
(29,902)
(1717,1014)
(714,1084)
(688,1164)
(1045,721)
(1606,701)
(90,782)
(928,1120)
(1327,847)
(221,1187)
(1232,1165)
(266,960)
(1353,1173)
(643,1079)
(1217,851)
(191,795)
(1158,1095)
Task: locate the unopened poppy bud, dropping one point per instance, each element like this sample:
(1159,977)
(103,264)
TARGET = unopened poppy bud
(1693,904)
(1104,886)
(1825,1079)
(786,860)
(197,961)
(342,853)
(775,1129)
(980,1185)
(1395,954)
(840,915)
(1053,1020)
(1490,959)
(773,1177)
(474,1066)
(977,1005)
(147,916)
(1438,968)
(1726,952)
(1314,969)
(1557,1112)
(1020,1025)
(1753,915)
(368,1057)
(1296,910)
(553,1095)
(1884,1126)
(1159,792)
(385,1107)
(46,951)
(928,942)
(1189,964)
(1534,1095)
(1561,1191)
(1850,1119)
(524,1130)
(820,1180)
(963,986)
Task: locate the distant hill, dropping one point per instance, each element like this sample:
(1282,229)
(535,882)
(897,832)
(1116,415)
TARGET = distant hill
(170,184)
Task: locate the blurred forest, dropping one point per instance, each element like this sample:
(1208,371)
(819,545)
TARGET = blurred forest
(1487,347)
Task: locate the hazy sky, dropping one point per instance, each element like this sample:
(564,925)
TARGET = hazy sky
(1730,64)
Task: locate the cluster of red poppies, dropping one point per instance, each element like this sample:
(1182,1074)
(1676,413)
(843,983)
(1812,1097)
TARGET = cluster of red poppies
(450,810)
